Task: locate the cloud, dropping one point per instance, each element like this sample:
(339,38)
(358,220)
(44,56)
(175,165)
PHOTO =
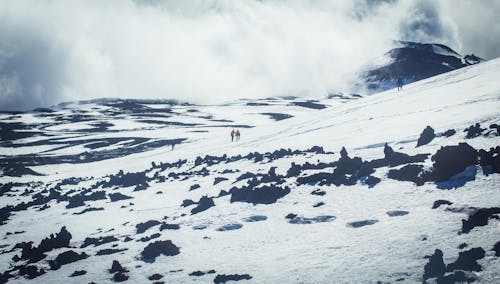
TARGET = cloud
(202,51)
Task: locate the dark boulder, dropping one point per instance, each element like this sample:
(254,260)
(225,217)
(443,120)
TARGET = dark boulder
(474,131)
(479,218)
(204,204)
(158,248)
(142,227)
(440,202)
(451,160)
(426,136)
(78,273)
(223,278)
(266,194)
(65,258)
(118,196)
(435,267)
(467,260)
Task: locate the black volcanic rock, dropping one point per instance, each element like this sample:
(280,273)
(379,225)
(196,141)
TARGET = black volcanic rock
(435,267)
(204,204)
(426,136)
(98,241)
(78,273)
(451,160)
(158,248)
(223,278)
(467,260)
(142,227)
(29,271)
(65,258)
(266,194)
(474,131)
(479,218)
(440,202)
(118,196)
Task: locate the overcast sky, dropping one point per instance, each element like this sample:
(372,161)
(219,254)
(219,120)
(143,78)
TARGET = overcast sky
(207,51)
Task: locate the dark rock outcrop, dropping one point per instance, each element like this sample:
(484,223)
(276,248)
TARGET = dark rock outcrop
(435,267)
(426,136)
(158,248)
(223,278)
(479,218)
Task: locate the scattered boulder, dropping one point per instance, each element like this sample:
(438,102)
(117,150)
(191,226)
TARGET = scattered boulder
(266,194)
(449,132)
(435,267)
(204,204)
(440,202)
(155,276)
(120,277)
(143,227)
(166,226)
(223,278)
(318,204)
(98,241)
(65,258)
(474,131)
(318,192)
(117,267)
(451,160)
(157,248)
(118,196)
(109,251)
(479,218)
(78,273)
(363,223)
(467,260)
(426,136)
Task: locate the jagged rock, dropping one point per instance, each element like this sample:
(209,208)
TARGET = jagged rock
(318,192)
(204,204)
(118,196)
(142,227)
(187,202)
(409,172)
(230,227)
(394,158)
(157,248)
(451,160)
(449,132)
(194,186)
(467,260)
(98,241)
(155,276)
(440,202)
(479,218)
(474,131)
(255,218)
(65,258)
(78,273)
(219,180)
(223,278)
(148,238)
(426,136)
(371,181)
(109,251)
(35,254)
(165,226)
(318,204)
(435,267)
(266,194)
(117,267)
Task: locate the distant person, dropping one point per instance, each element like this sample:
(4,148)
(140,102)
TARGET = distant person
(400,83)
(233,134)
(237,135)
(173,146)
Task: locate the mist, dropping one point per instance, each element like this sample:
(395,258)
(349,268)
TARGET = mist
(205,51)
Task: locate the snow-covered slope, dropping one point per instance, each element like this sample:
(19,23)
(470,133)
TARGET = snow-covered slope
(283,204)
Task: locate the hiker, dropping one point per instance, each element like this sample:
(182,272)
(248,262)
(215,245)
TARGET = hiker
(237,135)
(400,83)
(233,133)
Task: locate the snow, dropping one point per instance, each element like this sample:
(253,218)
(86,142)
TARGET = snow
(275,251)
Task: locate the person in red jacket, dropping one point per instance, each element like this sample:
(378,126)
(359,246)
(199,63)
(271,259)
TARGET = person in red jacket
(233,133)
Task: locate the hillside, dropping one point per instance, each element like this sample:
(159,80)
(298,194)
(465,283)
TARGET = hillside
(320,191)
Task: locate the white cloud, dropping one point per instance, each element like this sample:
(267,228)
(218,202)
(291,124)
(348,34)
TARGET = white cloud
(200,51)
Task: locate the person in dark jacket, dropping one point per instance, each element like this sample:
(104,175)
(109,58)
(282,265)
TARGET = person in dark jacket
(237,135)
(233,133)
(400,83)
